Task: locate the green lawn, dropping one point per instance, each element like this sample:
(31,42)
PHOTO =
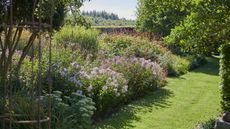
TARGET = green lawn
(182,104)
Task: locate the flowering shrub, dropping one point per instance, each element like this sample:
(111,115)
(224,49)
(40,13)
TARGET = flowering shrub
(142,75)
(67,79)
(123,45)
(107,88)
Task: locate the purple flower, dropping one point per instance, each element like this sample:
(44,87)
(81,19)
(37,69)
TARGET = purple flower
(80,92)
(64,72)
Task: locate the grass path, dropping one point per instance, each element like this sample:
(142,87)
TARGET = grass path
(182,104)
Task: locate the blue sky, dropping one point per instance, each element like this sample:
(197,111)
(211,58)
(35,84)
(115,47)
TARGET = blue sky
(124,8)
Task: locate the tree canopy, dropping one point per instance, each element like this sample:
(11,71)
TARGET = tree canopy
(204,29)
(198,26)
(23,10)
(160,16)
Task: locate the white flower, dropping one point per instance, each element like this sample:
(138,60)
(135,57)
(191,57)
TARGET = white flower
(115,90)
(93,73)
(75,64)
(89,89)
(64,72)
(126,88)
(84,74)
(118,94)
(104,88)
(95,69)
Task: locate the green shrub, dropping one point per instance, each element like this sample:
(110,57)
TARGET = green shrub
(196,61)
(175,65)
(225,75)
(78,38)
(125,45)
(70,112)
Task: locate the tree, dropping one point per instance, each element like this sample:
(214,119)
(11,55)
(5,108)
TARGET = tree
(160,16)
(204,29)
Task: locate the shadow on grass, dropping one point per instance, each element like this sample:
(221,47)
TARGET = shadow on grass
(155,100)
(211,67)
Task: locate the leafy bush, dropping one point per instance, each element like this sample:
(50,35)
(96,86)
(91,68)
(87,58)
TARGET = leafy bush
(142,75)
(225,75)
(175,65)
(123,45)
(79,38)
(70,112)
(196,61)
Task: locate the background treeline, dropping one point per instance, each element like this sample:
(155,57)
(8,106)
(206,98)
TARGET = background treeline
(103,18)
(101,14)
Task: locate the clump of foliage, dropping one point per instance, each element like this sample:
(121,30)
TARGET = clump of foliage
(174,64)
(78,38)
(225,75)
(74,111)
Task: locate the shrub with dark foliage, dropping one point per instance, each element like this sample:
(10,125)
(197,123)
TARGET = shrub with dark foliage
(225,75)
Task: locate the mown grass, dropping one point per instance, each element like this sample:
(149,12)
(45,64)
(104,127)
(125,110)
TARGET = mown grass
(185,102)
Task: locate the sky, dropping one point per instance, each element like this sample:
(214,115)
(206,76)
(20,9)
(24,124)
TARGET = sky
(124,8)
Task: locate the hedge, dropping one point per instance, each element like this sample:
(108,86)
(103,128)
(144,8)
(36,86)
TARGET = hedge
(225,76)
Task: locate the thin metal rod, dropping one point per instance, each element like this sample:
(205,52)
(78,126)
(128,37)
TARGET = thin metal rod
(39,66)
(10,87)
(50,65)
(3,79)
